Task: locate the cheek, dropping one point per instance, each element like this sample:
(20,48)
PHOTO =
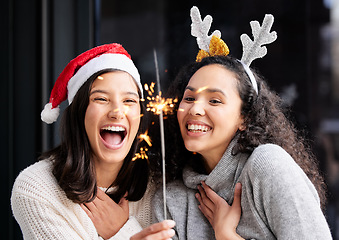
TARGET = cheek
(180,117)
(88,117)
(181,112)
(134,118)
(90,120)
(136,124)
(91,114)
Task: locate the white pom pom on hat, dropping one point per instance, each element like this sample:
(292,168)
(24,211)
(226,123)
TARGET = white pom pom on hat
(78,70)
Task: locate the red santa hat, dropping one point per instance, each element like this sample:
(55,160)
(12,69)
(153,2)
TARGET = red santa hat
(78,71)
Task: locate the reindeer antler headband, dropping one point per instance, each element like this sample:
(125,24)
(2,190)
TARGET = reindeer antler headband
(212,45)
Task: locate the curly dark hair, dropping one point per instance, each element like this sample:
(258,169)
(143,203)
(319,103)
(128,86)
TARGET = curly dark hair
(73,167)
(264,118)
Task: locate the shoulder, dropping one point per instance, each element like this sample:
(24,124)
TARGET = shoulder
(270,159)
(41,170)
(269,150)
(36,181)
(270,169)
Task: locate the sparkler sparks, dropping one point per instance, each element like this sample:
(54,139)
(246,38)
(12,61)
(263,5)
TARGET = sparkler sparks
(142,152)
(146,138)
(158,104)
(141,155)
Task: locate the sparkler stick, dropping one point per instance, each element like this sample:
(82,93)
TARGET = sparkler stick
(162,136)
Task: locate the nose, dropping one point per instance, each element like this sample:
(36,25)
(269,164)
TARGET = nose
(197,109)
(116,112)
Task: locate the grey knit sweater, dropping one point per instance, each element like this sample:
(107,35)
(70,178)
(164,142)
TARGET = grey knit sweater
(278,200)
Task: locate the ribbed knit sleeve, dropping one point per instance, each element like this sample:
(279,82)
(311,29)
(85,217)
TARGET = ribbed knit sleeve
(281,194)
(141,209)
(43,210)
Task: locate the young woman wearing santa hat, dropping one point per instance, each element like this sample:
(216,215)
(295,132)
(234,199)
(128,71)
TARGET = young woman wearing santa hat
(69,193)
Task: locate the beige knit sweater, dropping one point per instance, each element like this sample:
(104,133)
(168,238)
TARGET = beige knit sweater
(43,211)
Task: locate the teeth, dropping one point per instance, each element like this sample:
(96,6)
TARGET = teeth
(194,127)
(114,129)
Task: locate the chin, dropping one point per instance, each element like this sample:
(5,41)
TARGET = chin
(192,147)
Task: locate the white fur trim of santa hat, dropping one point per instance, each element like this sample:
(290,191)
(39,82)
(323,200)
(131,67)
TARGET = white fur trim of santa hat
(105,61)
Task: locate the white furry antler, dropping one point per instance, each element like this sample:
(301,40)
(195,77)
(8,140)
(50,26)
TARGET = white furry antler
(254,49)
(200,28)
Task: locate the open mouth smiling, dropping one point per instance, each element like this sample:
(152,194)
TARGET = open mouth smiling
(113,135)
(197,128)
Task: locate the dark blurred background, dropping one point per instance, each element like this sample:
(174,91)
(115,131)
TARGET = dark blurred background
(39,37)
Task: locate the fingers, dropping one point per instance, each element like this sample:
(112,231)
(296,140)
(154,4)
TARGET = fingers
(237,197)
(124,203)
(205,199)
(162,230)
(237,194)
(210,193)
(205,205)
(205,210)
(88,212)
(102,195)
(90,206)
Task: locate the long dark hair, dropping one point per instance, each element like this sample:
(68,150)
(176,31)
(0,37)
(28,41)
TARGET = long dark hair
(265,121)
(72,165)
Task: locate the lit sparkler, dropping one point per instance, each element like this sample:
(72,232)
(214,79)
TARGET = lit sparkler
(159,106)
(162,134)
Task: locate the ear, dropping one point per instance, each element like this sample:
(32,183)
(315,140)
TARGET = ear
(242,125)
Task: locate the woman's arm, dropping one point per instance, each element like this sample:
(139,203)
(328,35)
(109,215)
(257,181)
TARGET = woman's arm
(38,219)
(44,212)
(284,197)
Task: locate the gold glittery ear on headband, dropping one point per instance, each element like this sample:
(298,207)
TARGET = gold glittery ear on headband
(212,45)
(217,47)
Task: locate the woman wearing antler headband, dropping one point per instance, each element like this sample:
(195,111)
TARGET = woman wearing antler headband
(235,132)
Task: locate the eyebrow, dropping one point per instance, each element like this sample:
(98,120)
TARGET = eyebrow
(210,90)
(105,92)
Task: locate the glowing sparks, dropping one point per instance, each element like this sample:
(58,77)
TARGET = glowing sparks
(202,89)
(149,89)
(156,104)
(138,116)
(142,152)
(146,138)
(141,155)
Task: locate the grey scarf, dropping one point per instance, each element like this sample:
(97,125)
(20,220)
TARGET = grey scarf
(222,179)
